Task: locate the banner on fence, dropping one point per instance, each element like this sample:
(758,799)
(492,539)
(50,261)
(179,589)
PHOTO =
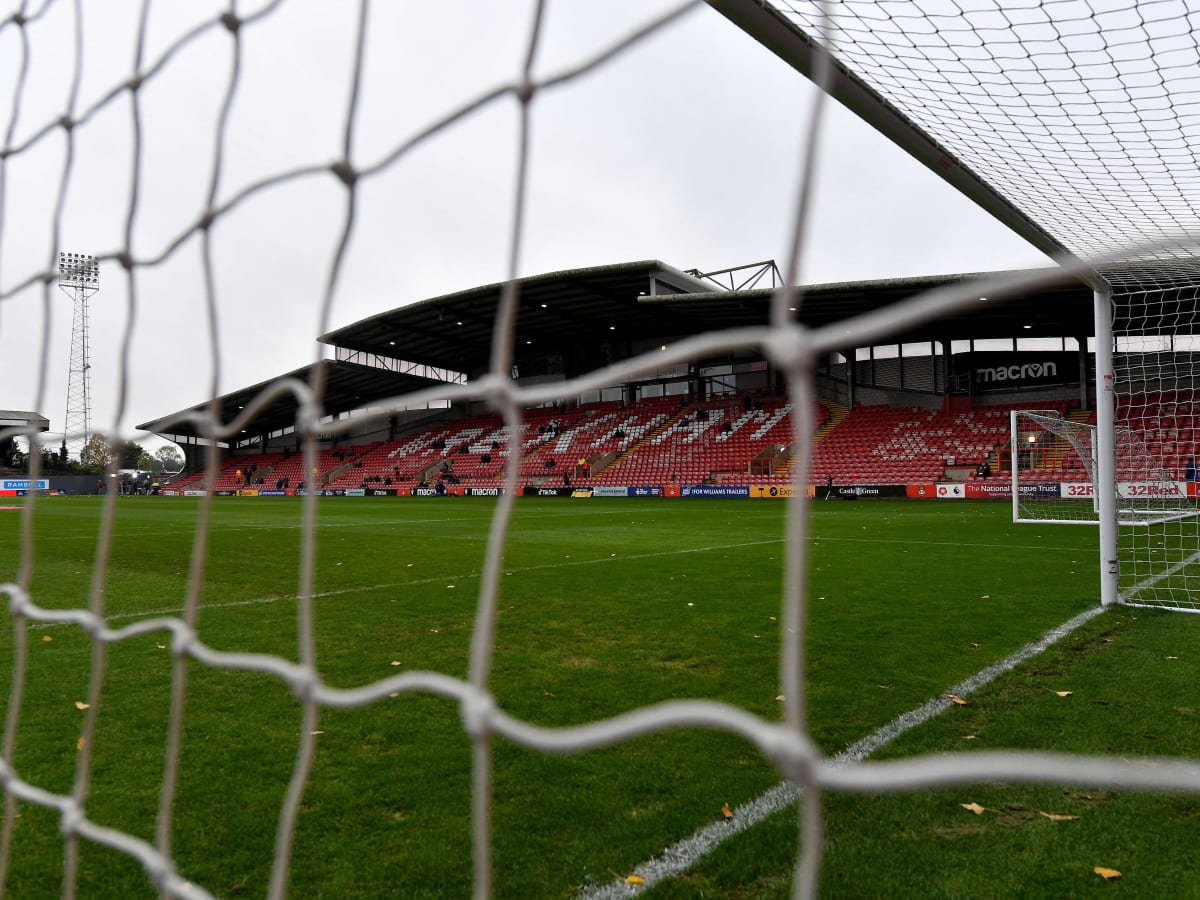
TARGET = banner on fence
(645,490)
(715,490)
(610,490)
(774,491)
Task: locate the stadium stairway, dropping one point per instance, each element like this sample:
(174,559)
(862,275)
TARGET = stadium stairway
(642,442)
(835,413)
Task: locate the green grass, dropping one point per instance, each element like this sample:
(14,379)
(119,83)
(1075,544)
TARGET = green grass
(606,606)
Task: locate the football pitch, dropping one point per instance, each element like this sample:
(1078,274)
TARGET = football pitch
(606,606)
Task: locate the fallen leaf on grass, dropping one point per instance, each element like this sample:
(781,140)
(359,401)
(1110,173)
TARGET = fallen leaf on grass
(779,697)
(974,807)
(635,879)
(884,687)
(46,639)
(1064,693)
(79,704)
(954,698)
(548,693)
(396,662)
(726,811)
(1057,817)
(1106,874)
(79,744)
(1172,657)
(968,737)
(986,597)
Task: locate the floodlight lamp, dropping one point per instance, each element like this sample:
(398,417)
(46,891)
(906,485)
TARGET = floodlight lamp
(1032,439)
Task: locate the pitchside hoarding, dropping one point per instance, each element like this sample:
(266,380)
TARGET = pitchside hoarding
(607,490)
(715,490)
(1002,490)
(24,484)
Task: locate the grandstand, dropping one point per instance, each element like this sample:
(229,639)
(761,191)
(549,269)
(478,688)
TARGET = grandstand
(925,410)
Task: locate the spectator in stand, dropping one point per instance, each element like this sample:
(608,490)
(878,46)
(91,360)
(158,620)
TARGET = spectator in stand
(984,469)
(583,466)
(566,479)
(1189,472)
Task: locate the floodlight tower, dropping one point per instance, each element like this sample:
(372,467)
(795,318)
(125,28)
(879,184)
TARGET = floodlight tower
(79,279)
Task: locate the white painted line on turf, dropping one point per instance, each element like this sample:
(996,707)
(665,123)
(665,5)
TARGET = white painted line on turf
(439,579)
(681,856)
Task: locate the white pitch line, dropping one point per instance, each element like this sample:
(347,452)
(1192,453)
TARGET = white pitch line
(681,856)
(440,579)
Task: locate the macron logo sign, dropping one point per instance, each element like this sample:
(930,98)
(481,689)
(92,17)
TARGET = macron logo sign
(1016,373)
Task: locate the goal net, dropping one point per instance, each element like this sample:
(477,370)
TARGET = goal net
(1055,476)
(119,135)
(1155,384)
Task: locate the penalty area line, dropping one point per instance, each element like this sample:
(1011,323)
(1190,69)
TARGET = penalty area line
(682,855)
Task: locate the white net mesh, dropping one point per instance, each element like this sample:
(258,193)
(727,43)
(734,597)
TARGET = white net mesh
(1053,468)
(1026,98)
(1079,114)
(1155,384)
(1055,475)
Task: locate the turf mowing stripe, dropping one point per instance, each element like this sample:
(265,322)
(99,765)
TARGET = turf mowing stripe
(681,856)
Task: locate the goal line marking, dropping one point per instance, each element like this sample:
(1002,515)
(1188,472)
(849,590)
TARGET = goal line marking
(682,855)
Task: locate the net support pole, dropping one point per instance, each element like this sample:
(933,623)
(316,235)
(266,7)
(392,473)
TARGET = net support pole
(1106,458)
(1013,442)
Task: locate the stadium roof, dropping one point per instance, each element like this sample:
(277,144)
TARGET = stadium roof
(347,386)
(571,312)
(563,312)
(586,317)
(16,418)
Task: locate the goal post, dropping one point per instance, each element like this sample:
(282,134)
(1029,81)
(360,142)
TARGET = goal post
(1056,474)
(1053,468)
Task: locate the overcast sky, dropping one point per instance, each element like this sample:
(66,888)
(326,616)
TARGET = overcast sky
(687,148)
